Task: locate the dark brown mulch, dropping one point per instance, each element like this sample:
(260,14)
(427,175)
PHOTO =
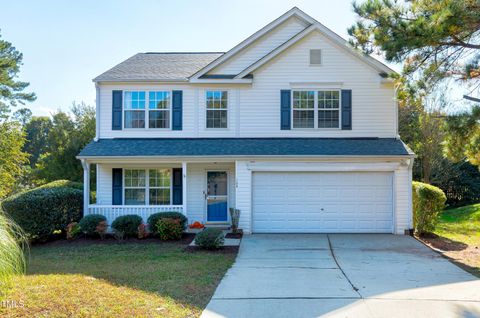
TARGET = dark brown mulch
(223,250)
(234,236)
(109,239)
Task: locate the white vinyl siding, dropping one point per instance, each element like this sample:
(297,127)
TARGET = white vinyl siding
(254,110)
(261,47)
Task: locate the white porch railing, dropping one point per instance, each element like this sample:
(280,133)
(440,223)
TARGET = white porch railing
(111,212)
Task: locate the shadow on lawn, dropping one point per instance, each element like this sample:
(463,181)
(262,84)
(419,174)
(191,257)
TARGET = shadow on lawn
(443,243)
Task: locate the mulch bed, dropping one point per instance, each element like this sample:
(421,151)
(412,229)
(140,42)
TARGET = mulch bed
(234,236)
(109,239)
(223,250)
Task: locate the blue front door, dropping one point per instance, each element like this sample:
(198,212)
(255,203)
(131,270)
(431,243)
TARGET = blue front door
(217,196)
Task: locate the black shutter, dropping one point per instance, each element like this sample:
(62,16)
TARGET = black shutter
(177,101)
(347,109)
(285,96)
(177,186)
(117,97)
(117,181)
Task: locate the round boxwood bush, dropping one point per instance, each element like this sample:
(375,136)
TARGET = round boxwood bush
(41,211)
(428,202)
(154,218)
(88,224)
(210,239)
(127,225)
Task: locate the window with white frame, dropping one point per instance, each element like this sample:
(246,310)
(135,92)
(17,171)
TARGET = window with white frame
(328,109)
(159,110)
(134,187)
(134,108)
(316,109)
(159,186)
(147,186)
(217,109)
(303,109)
(137,114)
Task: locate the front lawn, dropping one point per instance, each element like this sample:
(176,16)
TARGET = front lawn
(108,279)
(458,238)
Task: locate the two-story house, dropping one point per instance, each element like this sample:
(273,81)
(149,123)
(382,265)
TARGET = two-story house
(291,126)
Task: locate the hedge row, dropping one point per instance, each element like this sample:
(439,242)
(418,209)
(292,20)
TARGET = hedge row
(41,211)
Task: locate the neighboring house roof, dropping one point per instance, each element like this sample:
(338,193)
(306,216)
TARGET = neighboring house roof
(174,66)
(198,147)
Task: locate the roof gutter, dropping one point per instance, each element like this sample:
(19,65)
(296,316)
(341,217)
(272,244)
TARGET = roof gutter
(383,157)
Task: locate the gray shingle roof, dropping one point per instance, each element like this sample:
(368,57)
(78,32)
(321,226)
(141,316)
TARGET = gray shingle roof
(185,147)
(158,66)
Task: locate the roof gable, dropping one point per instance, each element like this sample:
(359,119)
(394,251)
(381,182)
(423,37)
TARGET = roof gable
(294,12)
(311,25)
(262,46)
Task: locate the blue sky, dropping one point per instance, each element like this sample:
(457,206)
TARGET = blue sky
(67,43)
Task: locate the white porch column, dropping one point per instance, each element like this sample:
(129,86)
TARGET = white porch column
(86,186)
(184,187)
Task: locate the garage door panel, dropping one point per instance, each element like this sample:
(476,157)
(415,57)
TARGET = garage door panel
(322,202)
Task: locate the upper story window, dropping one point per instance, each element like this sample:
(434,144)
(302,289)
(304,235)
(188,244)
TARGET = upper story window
(137,115)
(159,110)
(217,109)
(134,107)
(328,109)
(303,109)
(316,109)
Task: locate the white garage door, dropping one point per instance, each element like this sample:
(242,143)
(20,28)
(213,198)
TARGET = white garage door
(322,202)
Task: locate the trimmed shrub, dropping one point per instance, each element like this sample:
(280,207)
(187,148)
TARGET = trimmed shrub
(41,211)
(127,225)
(62,184)
(89,223)
(428,202)
(169,229)
(154,218)
(210,239)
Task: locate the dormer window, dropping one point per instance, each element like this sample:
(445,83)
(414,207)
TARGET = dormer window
(315,57)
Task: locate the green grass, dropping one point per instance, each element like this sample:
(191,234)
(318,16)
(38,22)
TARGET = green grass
(460,224)
(148,279)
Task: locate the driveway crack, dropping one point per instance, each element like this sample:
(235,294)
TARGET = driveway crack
(340,268)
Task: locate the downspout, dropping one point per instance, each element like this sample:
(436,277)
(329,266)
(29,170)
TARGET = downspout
(395,99)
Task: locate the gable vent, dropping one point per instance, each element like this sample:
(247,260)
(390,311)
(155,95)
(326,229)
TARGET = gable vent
(315,57)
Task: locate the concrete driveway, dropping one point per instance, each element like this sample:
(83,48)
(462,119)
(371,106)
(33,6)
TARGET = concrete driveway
(342,275)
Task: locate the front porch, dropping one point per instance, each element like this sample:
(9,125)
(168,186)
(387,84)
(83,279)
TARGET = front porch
(202,191)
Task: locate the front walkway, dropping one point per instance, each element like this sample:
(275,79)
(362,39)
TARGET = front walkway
(342,275)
